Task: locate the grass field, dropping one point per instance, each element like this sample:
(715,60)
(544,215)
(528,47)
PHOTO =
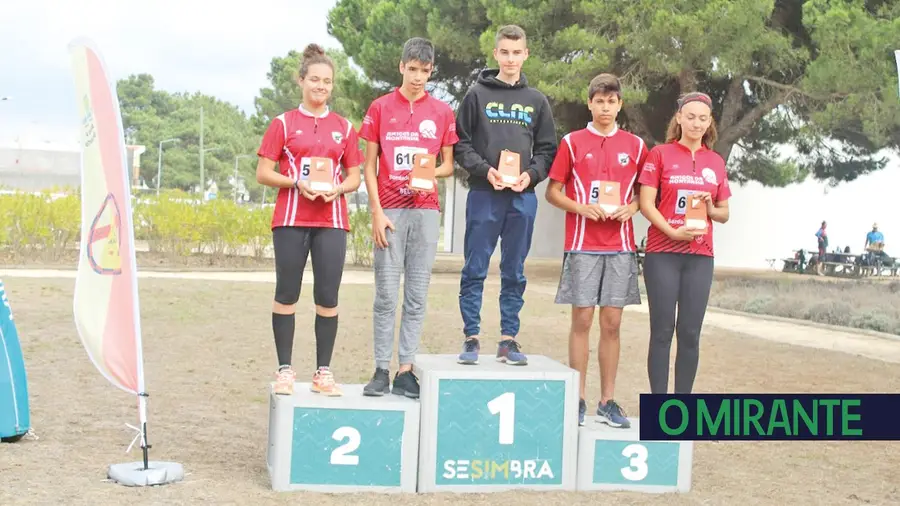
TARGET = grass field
(863,304)
(209,357)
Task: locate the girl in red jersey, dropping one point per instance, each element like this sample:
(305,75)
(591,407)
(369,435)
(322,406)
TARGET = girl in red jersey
(307,222)
(678,266)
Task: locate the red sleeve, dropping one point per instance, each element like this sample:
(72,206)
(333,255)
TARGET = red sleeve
(369,130)
(639,162)
(272,144)
(450,137)
(651,169)
(561,168)
(353,157)
(724,191)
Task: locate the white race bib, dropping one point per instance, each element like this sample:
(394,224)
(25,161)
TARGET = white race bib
(681,202)
(305,163)
(594,196)
(404,157)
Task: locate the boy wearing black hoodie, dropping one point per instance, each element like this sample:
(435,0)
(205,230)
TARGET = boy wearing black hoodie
(501,112)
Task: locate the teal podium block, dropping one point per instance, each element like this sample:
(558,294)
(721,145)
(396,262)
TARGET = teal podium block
(494,427)
(342,444)
(616,459)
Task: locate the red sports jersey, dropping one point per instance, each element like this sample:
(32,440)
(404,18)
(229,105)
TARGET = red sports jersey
(327,136)
(403,129)
(676,174)
(587,161)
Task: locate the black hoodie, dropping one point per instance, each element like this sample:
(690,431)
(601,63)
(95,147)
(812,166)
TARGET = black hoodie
(495,116)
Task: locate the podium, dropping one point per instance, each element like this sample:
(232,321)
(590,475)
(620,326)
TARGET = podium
(342,444)
(475,428)
(494,427)
(616,459)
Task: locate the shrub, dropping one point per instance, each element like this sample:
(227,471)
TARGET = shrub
(42,225)
(175,224)
(863,304)
(360,241)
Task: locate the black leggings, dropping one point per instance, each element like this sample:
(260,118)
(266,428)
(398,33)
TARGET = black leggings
(328,249)
(293,245)
(685,280)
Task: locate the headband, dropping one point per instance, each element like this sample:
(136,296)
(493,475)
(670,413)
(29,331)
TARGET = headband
(695,96)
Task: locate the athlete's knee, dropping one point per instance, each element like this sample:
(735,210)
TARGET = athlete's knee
(326,297)
(327,311)
(610,323)
(286,296)
(582,318)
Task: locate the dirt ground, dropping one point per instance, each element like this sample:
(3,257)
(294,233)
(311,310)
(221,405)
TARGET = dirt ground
(209,356)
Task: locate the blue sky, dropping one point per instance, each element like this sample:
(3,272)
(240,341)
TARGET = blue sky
(185,45)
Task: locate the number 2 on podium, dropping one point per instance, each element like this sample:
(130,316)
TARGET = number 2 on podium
(340,455)
(505,405)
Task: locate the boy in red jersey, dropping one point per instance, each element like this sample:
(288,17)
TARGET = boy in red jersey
(405,222)
(305,222)
(593,178)
(678,263)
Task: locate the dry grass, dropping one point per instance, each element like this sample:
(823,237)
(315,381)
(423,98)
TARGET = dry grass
(863,304)
(209,355)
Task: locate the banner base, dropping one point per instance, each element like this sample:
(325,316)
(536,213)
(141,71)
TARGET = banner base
(133,474)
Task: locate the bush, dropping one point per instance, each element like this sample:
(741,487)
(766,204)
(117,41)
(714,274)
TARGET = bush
(47,225)
(41,225)
(863,304)
(360,241)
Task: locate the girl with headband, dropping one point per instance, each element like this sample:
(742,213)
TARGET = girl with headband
(684,188)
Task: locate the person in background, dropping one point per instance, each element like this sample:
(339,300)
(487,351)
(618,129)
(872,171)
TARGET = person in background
(874,250)
(822,238)
(308,223)
(874,239)
(678,266)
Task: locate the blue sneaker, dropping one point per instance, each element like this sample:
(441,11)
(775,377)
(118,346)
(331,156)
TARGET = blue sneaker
(508,352)
(582,409)
(469,356)
(613,415)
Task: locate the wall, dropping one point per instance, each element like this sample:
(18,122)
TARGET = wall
(36,168)
(765,222)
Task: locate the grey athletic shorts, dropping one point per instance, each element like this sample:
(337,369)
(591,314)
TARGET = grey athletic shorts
(589,280)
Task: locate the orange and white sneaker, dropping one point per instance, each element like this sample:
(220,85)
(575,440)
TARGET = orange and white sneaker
(323,383)
(284,381)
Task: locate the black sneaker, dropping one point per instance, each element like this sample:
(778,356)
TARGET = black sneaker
(406,384)
(380,384)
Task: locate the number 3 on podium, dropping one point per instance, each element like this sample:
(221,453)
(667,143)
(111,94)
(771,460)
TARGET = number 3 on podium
(340,456)
(637,465)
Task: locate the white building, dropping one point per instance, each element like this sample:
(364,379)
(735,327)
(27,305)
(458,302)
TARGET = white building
(765,223)
(36,166)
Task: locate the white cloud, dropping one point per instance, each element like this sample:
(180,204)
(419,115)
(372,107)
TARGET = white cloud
(216,48)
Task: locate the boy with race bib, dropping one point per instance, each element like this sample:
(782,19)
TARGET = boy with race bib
(594,178)
(403,131)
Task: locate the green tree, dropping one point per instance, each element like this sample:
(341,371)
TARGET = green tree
(150,116)
(351,95)
(816,76)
